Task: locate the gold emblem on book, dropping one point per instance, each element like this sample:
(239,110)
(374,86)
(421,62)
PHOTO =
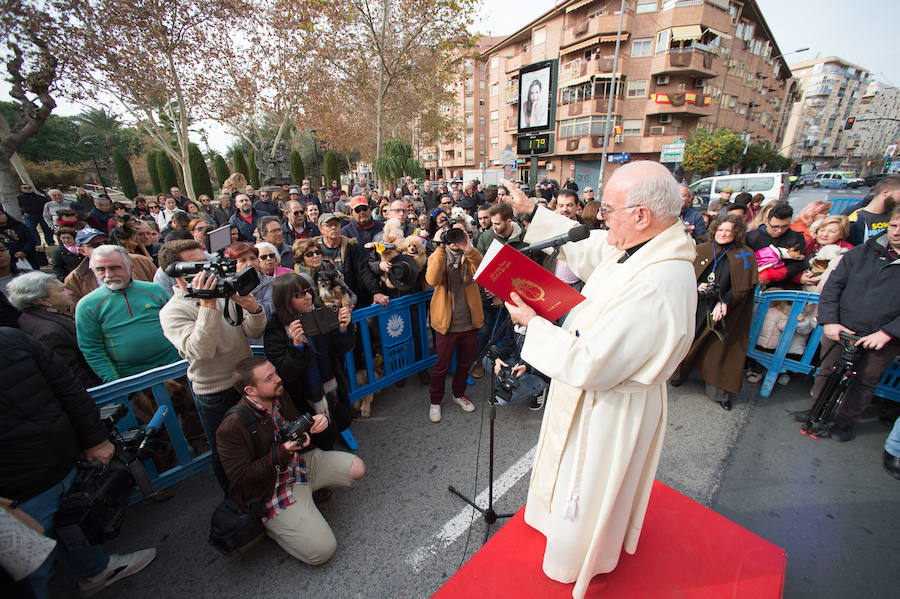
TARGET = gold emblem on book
(529,290)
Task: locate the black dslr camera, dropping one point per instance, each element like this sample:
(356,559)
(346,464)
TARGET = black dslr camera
(506,383)
(453,235)
(228,280)
(712,292)
(295,429)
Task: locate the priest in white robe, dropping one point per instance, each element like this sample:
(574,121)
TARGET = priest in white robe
(605,416)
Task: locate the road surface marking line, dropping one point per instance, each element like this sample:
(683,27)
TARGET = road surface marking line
(458,524)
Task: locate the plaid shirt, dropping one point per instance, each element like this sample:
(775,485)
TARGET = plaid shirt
(284,479)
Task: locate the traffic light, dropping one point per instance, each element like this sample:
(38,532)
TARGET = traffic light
(849,124)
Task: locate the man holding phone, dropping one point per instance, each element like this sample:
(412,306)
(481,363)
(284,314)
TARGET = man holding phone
(212,347)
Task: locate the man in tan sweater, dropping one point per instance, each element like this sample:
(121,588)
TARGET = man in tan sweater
(212,347)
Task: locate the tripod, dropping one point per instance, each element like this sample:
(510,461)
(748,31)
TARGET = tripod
(832,394)
(490,516)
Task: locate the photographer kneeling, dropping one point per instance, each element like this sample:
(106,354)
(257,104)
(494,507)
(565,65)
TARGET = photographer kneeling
(212,347)
(275,479)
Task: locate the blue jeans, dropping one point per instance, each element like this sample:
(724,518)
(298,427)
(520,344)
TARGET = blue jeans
(33,223)
(892,445)
(87,562)
(212,409)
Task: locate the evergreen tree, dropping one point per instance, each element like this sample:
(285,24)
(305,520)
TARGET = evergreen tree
(167,178)
(199,172)
(153,172)
(297,170)
(254,171)
(123,172)
(222,171)
(240,163)
(332,169)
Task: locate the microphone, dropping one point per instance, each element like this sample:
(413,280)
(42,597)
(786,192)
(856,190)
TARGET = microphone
(574,234)
(155,423)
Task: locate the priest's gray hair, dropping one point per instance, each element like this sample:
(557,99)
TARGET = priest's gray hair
(653,187)
(109,250)
(25,289)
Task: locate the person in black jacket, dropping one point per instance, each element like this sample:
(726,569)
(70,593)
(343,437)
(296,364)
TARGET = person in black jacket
(48,423)
(32,205)
(65,260)
(777,231)
(312,367)
(860,297)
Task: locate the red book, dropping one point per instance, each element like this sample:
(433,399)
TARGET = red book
(504,269)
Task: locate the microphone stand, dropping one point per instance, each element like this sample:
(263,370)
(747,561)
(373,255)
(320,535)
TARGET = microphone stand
(490,516)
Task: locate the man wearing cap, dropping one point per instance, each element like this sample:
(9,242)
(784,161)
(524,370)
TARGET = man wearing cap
(117,324)
(349,258)
(82,281)
(224,211)
(246,218)
(363,228)
(715,206)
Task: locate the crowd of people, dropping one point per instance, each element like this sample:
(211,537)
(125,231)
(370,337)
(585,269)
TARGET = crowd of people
(107,305)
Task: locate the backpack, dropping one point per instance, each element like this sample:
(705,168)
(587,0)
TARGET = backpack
(232,530)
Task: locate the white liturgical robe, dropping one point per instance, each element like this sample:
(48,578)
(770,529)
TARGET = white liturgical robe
(605,415)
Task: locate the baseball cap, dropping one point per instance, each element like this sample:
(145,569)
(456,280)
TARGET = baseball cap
(86,234)
(358,201)
(727,190)
(327,217)
(294,190)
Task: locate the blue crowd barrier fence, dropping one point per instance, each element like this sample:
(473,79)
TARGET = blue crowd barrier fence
(839,204)
(777,362)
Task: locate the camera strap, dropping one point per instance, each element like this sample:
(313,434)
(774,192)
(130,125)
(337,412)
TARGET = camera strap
(238,314)
(141,478)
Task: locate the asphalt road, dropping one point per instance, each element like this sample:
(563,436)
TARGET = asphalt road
(402,534)
(801,197)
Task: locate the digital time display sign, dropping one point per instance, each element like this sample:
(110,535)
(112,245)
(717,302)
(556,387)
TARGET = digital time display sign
(534,144)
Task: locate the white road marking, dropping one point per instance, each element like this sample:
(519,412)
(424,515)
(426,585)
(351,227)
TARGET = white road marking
(458,524)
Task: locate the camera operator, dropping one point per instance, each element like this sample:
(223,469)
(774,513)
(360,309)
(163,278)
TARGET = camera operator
(456,313)
(198,330)
(48,422)
(276,478)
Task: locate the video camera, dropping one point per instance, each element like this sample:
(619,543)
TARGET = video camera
(507,383)
(93,510)
(228,280)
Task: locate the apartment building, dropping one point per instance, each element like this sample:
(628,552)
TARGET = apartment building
(877,127)
(831,91)
(680,64)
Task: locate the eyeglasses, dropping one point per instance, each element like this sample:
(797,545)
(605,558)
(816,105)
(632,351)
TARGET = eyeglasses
(267,256)
(359,209)
(96,244)
(588,191)
(296,212)
(154,207)
(770,226)
(312,253)
(302,292)
(604,211)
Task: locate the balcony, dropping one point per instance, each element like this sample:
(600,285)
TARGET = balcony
(692,62)
(599,65)
(685,103)
(582,29)
(511,123)
(596,105)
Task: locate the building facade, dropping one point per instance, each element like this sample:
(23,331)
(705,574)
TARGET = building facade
(679,64)
(877,127)
(831,91)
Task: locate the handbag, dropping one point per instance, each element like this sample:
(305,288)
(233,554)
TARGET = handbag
(231,529)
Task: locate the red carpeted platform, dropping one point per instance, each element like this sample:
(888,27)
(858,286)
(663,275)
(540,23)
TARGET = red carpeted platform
(685,551)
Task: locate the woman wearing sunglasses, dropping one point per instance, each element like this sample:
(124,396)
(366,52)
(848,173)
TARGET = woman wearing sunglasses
(268,260)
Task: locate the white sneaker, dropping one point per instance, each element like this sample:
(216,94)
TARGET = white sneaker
(121,565)
(434,412)
(464,403)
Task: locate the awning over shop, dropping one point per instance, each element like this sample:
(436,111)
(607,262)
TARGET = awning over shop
(611,37)
(576,81)
(587,43)
(687,32)
(721,34)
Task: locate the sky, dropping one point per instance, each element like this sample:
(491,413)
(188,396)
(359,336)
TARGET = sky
(820,25)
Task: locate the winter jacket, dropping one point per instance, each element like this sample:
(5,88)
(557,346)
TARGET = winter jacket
(247,230)
(32,204)
(515,238)
(65,262)
(57,332)
(436,275)
(760,238)
(82,281)
(872,283)
(360,234)
(355,270)
(309,231)
(47,419)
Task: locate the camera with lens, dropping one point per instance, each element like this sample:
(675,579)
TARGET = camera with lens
(228,280)
(453,235)
(712,292)
(295,429)
(507,382)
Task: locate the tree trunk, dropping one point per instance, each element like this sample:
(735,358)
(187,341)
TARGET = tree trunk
(183,140)
(379,107)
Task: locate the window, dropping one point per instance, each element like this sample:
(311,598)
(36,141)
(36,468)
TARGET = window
(641,47)
(734,10)
(495,115)
(540,36)
(495,89)
(481,137)
(584,126)
(470,140)
(732,100)
(742,108)
(576,93)
(495,62)
(495,142)
(469,104)
(645,6)
(662,41)
(632,127)
(636,88)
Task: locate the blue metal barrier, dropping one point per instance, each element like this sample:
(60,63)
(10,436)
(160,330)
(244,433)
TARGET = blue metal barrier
(778,362)
(839,204)
(155,380)
(398,343)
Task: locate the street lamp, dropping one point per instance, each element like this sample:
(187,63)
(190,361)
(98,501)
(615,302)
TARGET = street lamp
(96,166)
(312,133)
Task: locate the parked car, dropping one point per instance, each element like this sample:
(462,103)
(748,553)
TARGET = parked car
(805,180)
(773,186)
(836,180)
(874,178)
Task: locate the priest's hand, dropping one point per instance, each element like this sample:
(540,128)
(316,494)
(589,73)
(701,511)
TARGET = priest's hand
(519,202)
(520,312)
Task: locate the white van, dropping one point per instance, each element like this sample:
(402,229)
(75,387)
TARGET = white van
(773,186)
